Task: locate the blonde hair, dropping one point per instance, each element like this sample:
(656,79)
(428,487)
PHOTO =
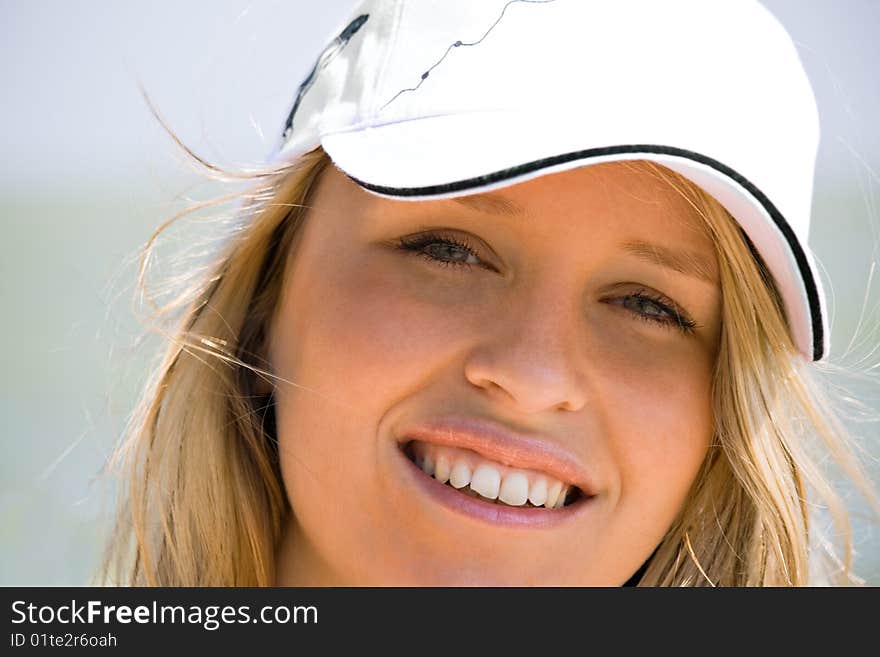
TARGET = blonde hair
(204,503)
(749,519)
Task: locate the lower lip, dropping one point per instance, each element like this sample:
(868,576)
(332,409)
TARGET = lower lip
(488,513)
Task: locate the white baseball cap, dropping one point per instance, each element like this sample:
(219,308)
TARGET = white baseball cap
(427,99)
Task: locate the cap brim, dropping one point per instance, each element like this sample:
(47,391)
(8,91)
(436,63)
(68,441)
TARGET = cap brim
(454,155)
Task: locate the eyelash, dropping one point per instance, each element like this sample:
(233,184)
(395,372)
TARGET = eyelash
(416,244)
(675,318)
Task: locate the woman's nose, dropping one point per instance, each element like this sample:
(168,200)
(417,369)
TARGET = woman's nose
(530,356)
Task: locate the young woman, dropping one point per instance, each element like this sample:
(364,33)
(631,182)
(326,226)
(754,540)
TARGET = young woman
(525,298)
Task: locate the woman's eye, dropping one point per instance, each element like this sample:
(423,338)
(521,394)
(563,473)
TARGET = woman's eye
(657,310)
(442,250)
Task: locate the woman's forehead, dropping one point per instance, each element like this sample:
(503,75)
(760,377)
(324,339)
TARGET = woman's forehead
(614,189)
(627,201)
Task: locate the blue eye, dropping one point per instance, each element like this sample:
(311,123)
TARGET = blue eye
(657,310)
(442,250)
(457,253)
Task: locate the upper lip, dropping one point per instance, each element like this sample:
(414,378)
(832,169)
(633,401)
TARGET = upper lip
(499,443)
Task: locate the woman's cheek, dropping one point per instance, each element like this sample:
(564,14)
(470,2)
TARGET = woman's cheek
(655,389)
(661,424)
(377,328)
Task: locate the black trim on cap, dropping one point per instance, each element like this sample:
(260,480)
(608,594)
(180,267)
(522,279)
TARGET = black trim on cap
(528,167)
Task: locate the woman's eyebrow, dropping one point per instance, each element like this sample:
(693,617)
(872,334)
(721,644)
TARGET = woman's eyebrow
(493,203)
(684,262)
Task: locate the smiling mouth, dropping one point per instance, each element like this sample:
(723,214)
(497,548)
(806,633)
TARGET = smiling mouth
(491,482)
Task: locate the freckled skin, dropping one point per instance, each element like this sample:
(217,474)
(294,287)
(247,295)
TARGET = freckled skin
(374,337)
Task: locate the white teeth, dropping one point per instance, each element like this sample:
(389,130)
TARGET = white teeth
(514,489)
(486,481)
(441,469)
(553,491)
(538,492)
(460,475)
(560,501)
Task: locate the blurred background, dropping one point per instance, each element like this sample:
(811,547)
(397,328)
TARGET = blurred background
(87,174)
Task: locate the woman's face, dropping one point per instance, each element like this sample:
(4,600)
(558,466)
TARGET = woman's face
(556,335)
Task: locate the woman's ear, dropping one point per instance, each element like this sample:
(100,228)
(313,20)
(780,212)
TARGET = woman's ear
(263,380)
(255,373)
(264,385)
(254,353)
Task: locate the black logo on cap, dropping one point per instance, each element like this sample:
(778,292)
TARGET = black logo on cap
(324,59)
(460,43)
